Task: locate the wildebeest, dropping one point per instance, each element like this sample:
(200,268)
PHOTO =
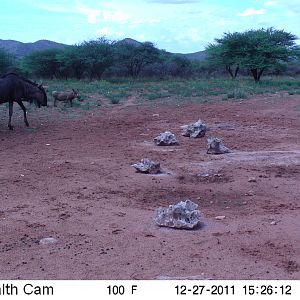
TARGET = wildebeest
(65,96)
(17,88)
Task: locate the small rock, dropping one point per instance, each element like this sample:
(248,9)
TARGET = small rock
(194,130)
(251,179)
(47,144)
(215,146)
(250,193)
(274,222)
(220,217)
(147,166)
(166,139)
(48,240)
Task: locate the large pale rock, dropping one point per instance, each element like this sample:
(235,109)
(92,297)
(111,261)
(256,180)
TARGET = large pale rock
(166,139)
(194,130)
(215,146)
(147,166)
(181,215)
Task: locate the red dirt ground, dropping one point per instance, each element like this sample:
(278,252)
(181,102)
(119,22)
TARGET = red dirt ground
(71,179)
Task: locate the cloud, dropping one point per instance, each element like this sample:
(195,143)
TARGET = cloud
(270,3)
(92,14)
(251,11)
(145,21)
(55,8)
(172,1)
(115,16)
(110,31)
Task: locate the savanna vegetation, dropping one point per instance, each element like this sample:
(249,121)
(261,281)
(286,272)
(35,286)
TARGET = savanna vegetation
(117,70)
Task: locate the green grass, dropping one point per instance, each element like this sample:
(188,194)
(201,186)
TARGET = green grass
(178,90)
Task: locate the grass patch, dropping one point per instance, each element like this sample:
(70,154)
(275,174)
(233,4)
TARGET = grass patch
(118,90)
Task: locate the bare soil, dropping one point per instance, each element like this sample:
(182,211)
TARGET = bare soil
(69,177)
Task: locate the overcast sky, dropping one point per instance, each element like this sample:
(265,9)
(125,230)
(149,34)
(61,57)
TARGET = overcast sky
(175,25)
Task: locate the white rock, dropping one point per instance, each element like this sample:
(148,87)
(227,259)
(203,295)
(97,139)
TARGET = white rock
(147,166)
(251,179)
(166,139)
(215,146)
(220,217)
(181,215)
(194,130)
(48,240)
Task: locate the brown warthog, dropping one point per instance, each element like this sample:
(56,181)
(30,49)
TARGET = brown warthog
(65,96)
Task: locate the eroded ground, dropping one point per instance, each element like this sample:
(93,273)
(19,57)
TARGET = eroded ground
(70,177)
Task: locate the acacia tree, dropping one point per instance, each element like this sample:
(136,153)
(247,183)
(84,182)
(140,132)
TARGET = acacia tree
(256,50)
(226,53)
(135,57)
(72,62)
(98,56)
(264,48)
(43,63)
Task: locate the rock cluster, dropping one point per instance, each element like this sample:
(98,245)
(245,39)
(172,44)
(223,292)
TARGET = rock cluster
(181,215)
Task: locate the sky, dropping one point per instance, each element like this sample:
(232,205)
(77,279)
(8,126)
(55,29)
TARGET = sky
(182,26)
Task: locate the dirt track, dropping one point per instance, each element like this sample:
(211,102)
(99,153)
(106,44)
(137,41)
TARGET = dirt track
(72,179)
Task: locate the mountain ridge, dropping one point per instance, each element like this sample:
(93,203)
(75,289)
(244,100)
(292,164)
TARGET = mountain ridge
(20,49)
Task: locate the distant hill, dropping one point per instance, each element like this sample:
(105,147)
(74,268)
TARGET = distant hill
(200,55)
(129,41)
(20,49)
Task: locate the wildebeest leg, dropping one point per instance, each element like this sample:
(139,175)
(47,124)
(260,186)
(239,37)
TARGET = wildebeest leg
(24,111)
(71,102)
(11,104)
(54,102)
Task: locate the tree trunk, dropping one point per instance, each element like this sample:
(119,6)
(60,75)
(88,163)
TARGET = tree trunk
(228,68)
(236,71)
(255,75)
(260,73)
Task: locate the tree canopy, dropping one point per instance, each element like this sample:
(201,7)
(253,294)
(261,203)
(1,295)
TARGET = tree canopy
(255,50)
(135,57)
(6,61)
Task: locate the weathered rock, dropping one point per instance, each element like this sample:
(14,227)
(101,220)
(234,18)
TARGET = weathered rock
(194,130)
(166,139)
(215,146)
(251,179)
(181,215)
(48,240)
(147,166)
(220,217)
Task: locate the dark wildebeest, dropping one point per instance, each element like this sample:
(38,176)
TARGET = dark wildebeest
(17,88)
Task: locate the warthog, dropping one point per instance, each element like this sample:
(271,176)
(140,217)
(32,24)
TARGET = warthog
(65,96)
(17,88)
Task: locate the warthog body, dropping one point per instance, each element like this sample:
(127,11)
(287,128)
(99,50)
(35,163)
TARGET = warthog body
(65,96)
(15,88)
